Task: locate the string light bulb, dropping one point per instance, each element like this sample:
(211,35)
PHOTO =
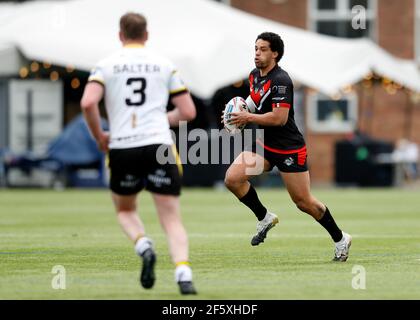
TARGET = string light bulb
(34,66)
(75,83)
(367,84)
(23,72)
(386,81)
(54,76)
(69,68)
(348,89)
(368,76)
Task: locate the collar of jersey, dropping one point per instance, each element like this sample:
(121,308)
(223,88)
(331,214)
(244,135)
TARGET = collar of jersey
(275,67)
(134,45)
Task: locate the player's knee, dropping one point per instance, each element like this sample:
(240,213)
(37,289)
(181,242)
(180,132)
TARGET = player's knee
(302,204)
(231,180)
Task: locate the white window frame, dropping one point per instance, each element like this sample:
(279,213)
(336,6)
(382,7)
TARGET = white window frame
(332,127)
(342,12)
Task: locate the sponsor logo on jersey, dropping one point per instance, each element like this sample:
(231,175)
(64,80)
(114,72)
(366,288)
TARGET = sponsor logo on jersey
(159,179)
(279,98)
(129,181)
(289,161)
(279,89)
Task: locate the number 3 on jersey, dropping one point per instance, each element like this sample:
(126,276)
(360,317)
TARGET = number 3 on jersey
(138,96)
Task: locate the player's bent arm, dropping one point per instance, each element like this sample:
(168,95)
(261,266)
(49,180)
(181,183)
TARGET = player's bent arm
(90,107)
(184,109)
(277,117)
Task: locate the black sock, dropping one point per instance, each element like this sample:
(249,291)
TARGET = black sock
(327,221)
(251,201)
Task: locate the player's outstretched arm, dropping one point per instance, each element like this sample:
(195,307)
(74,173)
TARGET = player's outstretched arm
(90,107)
(184,109)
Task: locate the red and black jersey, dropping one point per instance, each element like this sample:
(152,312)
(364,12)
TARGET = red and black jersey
(275,90)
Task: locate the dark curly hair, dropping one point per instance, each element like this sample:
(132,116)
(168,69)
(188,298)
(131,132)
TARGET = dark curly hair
(276,43)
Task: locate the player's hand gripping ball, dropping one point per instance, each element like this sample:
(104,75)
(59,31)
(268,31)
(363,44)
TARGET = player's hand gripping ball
(236,104)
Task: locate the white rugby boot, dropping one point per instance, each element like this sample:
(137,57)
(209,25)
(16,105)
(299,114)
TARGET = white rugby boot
(263,226)
(342,248)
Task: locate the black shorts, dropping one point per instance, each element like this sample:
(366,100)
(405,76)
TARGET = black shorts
(137,168)
(285,160)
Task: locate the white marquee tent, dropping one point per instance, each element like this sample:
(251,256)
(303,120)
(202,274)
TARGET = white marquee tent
(211,43)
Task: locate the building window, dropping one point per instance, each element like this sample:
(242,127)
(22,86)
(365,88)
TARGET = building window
(332,116)
(334,18)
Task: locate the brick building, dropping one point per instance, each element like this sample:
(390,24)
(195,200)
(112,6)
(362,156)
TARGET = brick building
(381,108)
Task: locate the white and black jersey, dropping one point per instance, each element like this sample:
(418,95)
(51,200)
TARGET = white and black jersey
(138,84)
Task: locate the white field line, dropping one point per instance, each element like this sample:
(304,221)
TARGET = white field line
(218,235)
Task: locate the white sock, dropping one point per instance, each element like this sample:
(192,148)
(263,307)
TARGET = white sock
(142,245)
(183,273)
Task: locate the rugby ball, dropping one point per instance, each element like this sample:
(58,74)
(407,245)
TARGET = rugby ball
(236,104)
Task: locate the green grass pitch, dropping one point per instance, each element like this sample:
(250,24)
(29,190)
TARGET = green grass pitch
(78,230)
